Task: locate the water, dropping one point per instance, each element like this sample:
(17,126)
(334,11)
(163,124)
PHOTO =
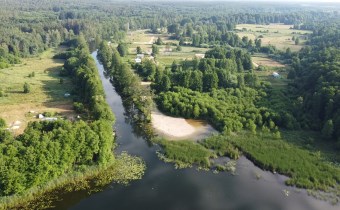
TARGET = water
(164,187)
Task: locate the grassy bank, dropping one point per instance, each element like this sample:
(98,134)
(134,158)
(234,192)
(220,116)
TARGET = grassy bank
(122,170)
(306,169)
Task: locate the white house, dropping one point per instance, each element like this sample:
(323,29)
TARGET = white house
(276,75)
(138,60)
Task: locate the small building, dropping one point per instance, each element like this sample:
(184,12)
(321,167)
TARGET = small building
(199,56)
(138,60)
(276,75)
(50,119)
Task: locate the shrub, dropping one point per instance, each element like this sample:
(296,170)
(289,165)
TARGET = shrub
(79,107)
(2,123)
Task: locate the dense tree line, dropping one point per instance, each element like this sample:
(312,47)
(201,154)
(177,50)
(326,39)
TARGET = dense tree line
(197,24)
(221,68)
(81,67)
(47,150)
(316,74)
(230,110)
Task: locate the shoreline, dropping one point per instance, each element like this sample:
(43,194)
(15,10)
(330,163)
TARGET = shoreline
(92,179)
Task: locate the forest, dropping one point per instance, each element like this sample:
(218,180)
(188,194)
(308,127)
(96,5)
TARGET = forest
(224,87)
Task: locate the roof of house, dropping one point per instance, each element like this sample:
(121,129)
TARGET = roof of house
(275,74)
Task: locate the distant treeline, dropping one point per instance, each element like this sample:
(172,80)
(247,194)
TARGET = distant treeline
(29,28)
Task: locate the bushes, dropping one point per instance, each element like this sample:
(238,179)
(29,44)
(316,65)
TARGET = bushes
(305,169)
(27,88)
(49,149)
(2,123)
(79,107)
(222,146)
(185,153)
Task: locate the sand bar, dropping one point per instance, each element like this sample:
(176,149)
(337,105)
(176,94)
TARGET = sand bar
(174,128)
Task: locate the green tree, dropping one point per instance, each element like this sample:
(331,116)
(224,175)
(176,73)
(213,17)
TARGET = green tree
(27,88)
(196,111)
(159,41)
(297,41)
(196,81)
(122,49)
(2,123)
(240,81)
(165,83)
(139,50)
(210,81)
(155,49)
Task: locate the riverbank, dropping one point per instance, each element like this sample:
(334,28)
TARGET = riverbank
(121,170)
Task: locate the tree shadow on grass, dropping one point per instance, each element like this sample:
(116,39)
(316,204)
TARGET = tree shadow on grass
(15,91)
(56,90)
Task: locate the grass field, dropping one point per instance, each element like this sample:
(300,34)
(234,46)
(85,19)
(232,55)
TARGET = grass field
(263,60)
(145,40)
(278,35)
(46,95)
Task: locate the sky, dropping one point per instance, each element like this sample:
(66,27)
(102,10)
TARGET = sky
(265,0)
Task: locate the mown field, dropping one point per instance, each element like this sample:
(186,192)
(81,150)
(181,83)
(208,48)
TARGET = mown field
(260,59)
(278,35)
(46,93)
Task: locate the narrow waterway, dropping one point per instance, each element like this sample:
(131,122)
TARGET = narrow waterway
(164,187)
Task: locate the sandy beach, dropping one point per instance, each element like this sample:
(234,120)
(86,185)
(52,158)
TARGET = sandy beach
(174,128)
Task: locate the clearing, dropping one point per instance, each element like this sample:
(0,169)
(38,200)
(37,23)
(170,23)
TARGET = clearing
(260,59)
(46,95)
(167,53)
(278,35)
